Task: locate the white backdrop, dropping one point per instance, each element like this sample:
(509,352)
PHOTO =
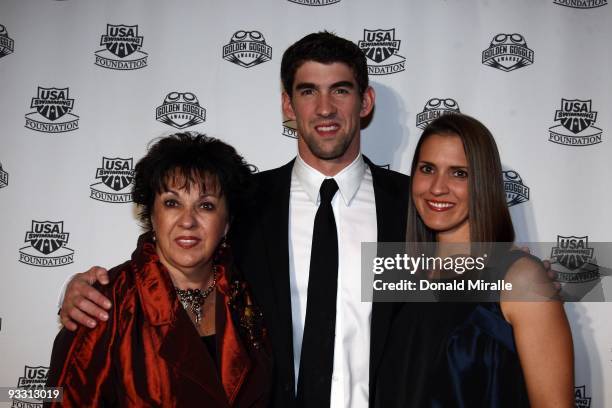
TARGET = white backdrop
(81,83)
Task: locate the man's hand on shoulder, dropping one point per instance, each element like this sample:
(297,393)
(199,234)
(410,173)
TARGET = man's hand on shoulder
(552,275)
(83,304)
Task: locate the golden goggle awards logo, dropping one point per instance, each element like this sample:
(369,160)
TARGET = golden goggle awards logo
(117,176)
(180,110)
(47,245)
(4,177)
(247,49)
(53,111)
(508,52)
(576,124)
(434,108)
(516,191)
(381,49)
(122,48)
(7,45)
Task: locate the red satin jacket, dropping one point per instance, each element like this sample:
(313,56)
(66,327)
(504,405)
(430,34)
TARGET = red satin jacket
(149,354)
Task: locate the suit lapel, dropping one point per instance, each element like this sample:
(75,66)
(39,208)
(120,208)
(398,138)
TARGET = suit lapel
(391,227)
(274,194)
(275,227)
(261,248)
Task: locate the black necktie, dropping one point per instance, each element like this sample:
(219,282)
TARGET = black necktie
(317,358)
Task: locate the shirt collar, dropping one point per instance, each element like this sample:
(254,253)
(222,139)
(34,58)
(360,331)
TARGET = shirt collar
(348,180)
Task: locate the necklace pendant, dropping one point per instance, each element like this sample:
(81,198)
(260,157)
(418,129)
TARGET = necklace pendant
(193,299)
(198,314)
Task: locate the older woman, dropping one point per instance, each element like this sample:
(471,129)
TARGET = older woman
(473,354)
(183,330)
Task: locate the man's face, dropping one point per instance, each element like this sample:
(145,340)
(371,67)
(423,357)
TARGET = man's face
(327,108)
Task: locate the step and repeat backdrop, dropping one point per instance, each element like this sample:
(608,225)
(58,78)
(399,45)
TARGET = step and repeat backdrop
(85,85)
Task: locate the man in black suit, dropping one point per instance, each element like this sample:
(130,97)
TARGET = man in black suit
(326,92)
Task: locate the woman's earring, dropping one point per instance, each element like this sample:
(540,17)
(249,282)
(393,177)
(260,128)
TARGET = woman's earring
(154,237)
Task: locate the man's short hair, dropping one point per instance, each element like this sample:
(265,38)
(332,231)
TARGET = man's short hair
(326,48)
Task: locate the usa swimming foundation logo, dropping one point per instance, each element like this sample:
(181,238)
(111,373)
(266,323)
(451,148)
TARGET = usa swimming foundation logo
(434,108)
(180,110)
(516,191)
(47,245)
(315,2)
(34,378)
(3,177)
(7,45)
(116,175)
(581,4)
(290,129)
(576,128)
(122,50)
(380,47)
(576,258)
(508,52)
(53,111)
(581,399)
(247,49)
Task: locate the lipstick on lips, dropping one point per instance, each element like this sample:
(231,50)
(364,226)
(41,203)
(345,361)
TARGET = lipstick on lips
(439,206)
(187,242)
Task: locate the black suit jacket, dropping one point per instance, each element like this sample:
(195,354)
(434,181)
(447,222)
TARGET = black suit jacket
(261,242)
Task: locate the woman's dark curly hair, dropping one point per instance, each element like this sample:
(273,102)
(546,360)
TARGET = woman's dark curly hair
(192,159)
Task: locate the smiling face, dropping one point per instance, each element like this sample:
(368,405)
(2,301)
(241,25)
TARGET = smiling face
(440,187)
(189,225)
(327,108)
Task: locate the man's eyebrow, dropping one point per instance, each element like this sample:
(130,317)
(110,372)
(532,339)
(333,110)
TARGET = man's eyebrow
(305,85)
(343,84)
(339,84)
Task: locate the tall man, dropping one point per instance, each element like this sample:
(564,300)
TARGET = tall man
(300,249)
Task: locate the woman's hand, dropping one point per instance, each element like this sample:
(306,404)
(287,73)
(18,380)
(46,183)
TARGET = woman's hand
(82,303)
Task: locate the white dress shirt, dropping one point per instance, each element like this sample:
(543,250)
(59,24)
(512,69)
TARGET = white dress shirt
(355,213)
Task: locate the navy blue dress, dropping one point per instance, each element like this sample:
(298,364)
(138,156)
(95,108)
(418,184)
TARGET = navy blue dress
(451,355)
